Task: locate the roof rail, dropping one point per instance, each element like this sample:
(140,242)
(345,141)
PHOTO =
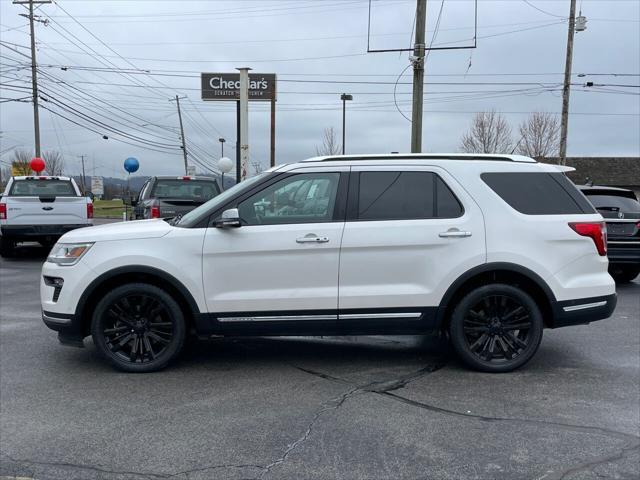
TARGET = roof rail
(424,156)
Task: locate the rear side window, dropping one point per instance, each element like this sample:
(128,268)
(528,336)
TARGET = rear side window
(538,193)
(405,196)
(42,188)
(179,189)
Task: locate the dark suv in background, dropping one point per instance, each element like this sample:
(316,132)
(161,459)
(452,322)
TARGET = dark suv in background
(621,210)
(167,196)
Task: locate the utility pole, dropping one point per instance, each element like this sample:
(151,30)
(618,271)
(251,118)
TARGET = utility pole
(184,143)
(564,122)
(34,77)
(418,76)
(344,97)
(84,188)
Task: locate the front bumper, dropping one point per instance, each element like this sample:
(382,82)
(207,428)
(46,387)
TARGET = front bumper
(67,326)
(33,232)
(583,310)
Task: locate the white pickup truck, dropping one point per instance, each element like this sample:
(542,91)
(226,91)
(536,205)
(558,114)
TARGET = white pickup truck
(41,209)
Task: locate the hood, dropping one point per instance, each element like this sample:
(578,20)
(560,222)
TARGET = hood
(118,231)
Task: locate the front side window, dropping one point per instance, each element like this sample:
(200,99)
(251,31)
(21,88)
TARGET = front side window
(405,195)
(301,198)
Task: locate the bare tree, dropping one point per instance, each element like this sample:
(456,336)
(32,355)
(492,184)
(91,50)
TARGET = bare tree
(489,133)
(5,175)
(330,145)
(53,162)
(539,135)
(20,162)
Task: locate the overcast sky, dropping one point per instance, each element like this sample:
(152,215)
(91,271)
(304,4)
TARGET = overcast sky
(312,46)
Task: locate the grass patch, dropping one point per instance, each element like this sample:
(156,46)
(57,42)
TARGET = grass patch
(108,208)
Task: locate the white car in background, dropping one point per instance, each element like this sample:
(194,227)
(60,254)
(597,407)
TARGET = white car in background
(490,249)
(41,209)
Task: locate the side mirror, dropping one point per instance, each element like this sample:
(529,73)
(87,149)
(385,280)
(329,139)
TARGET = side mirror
(230,218)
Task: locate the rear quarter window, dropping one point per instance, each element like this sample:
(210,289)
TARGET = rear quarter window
(538,193)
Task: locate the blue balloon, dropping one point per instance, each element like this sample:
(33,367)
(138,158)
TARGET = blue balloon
(131,165)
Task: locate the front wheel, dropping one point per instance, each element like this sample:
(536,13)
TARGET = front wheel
(496,328)
(138,328)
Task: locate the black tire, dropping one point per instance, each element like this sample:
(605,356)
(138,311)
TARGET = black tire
(624,273)
(482,328)
(7,248)
(138,328)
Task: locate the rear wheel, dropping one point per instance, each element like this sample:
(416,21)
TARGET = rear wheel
(7,247)
(496,328)
(624,273)
(138,327)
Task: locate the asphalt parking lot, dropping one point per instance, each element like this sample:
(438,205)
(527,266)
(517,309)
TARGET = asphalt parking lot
(316,408)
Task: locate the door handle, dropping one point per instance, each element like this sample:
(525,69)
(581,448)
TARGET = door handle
(454,233)
(312,238)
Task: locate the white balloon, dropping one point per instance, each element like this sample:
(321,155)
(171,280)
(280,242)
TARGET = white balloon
(225,164)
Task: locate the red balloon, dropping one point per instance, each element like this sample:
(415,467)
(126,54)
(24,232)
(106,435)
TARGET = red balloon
(37,164)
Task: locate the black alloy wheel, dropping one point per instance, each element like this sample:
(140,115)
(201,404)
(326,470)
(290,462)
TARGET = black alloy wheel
(138,327)
(496,328)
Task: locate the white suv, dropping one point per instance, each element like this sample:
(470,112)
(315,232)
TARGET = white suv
(488,248)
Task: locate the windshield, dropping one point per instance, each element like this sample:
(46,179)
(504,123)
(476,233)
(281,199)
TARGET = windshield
(196,214)
(42,188)
(187,189)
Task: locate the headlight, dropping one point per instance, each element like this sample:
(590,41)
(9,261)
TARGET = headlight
(68,253)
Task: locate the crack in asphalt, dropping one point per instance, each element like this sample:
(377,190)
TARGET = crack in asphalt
(34,464)
(146,475)
(332,404)
(385,388)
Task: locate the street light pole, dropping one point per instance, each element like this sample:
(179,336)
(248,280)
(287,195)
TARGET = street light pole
(344,97)
(221,140)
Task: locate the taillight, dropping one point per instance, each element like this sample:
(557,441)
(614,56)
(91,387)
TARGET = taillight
(89,210)
(597,231)
(155,211)
(3,211)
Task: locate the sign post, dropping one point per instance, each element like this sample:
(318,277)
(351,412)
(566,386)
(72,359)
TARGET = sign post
(244,121)
(97,186)
(226,87)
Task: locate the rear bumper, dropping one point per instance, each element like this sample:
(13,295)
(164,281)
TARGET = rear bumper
(583,310)
(31,232)
(624,252)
